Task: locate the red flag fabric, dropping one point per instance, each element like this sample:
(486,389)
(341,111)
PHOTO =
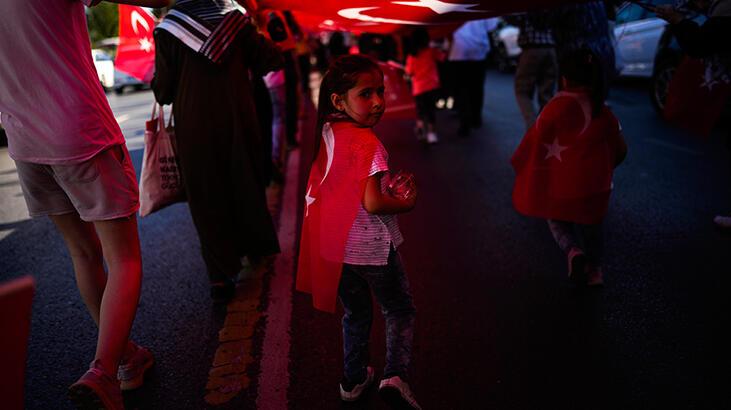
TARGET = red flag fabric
(334,192)
(564,164)
(400,103)
(136,51)
(695,98)
(384,16)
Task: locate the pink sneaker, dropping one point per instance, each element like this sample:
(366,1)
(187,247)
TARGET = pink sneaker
(397,393)
(96,390)
(131,372)
(577,266)
(356,391)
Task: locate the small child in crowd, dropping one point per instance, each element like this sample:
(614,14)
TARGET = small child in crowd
(421,65)
(565,163)
(350,233)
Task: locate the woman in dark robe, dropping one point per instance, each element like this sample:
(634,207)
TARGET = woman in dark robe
(205,54)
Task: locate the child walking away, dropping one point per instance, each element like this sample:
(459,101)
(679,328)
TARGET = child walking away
(564,165)
(421,65)
(350,233)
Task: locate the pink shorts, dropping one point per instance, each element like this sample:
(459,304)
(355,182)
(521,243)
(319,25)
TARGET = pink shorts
(101,188)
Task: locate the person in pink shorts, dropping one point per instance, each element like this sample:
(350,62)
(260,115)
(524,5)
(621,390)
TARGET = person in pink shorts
(74,168)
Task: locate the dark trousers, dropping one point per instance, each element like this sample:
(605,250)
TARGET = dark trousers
(588,238)
(469,92)
(426,106)
(391,288)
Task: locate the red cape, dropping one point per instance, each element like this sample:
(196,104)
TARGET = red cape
(564,164)
(334,192)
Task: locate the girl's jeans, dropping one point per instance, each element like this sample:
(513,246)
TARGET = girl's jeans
(391,288)
(588,238)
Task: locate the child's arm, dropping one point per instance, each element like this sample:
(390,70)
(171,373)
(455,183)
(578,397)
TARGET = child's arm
(378,203)
(621,150)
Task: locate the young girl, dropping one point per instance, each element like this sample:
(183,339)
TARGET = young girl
(350,233)
(564,165)
(421,65)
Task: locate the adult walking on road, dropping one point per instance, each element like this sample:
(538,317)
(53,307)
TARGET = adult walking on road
(74,167)
(584,25)
(205,54)
(470,45)
(710,42)
(537,67)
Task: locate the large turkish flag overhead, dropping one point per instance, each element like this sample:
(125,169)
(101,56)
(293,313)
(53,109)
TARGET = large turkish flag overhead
(382,16)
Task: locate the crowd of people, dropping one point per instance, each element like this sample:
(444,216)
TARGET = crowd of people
(236,81)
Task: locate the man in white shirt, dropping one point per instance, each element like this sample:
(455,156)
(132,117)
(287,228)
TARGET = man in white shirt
(74,167)
(470,45)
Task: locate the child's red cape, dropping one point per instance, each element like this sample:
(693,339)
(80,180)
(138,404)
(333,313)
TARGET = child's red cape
(565,162)
(334,192)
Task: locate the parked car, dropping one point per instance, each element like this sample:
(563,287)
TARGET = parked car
(123,82)
(637,35)
(505,50)
(104,68)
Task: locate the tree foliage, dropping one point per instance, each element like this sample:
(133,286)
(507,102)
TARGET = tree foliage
(103,21)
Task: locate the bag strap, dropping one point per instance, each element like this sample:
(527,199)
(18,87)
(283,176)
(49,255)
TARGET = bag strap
(170,121)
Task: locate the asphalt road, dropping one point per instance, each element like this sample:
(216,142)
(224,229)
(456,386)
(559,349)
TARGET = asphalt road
(498,326)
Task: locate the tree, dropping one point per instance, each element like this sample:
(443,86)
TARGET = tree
(103,21)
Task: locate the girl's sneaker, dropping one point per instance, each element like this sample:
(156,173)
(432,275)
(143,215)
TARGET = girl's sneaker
(594,276)
(577,266)
(723,221)
(350,392)
(131,372)
(397,393)
(96,390)
(431,138)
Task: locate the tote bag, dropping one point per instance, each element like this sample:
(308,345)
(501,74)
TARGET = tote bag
(161,182)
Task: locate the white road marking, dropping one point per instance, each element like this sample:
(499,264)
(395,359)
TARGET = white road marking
(674,147)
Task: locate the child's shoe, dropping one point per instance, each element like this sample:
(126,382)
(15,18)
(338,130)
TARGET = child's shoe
(350,392)
(397,393)
(594,276)
(577,266)
(131,372)
(431,138)
(723,221)
(96,390)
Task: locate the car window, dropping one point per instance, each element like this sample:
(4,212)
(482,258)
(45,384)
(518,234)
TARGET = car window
(630,12)
(101,56)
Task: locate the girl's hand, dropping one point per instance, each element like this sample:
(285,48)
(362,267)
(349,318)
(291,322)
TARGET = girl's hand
(382,203)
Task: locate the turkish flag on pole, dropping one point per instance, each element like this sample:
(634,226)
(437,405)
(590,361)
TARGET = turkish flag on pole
(136,51)
(564,164)
(695,98)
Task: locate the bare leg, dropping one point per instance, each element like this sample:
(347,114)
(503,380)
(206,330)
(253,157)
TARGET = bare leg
(113,308)
(121,245)
(86,255)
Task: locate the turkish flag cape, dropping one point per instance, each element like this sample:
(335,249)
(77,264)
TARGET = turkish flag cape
(695,98)
(136,51)
(334,192)
(565,162)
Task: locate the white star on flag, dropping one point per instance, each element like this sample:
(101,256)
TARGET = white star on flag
(309,201)
(554,149)
(145,44)
(441,7)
